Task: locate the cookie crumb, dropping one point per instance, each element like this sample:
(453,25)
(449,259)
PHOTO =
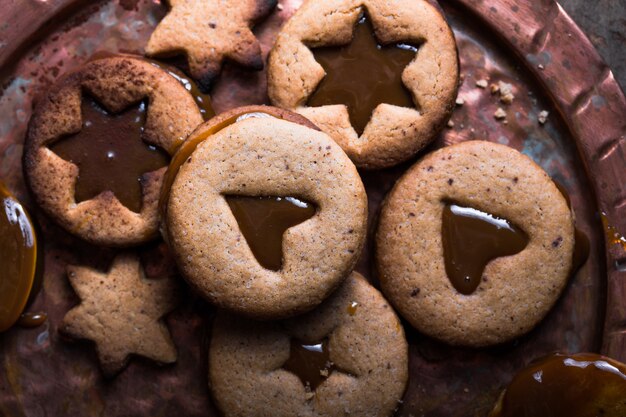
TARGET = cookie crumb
(450,124)
(494,88)
(324,373)
(500,114)
(309,395)
(460,101)
(542,117)
(506,92)
(482,83)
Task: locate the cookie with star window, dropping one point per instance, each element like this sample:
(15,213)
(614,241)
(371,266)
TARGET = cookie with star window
(380,77)
(98,146)
(349,356)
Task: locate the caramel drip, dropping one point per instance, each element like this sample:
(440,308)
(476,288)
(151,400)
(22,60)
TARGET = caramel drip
(310,362)
(18,255)
(32,320)
(111,154)
(263,222)
(583,385)
(363,74)
(472,238)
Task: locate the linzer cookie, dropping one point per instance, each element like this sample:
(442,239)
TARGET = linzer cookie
(475,244)
(121,311)
(347,357)
(208,32)
(380,77)
(265,215)
(98,146)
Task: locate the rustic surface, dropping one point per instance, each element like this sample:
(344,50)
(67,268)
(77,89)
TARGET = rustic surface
(604,21)
(38,367)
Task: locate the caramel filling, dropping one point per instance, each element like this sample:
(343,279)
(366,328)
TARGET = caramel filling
(310,363)
(263,222)
(363,74)
(111,154)
(18,254)
(581,385)
(472,238)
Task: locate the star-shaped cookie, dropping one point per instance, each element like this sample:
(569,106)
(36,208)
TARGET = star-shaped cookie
(208,31)
(120,311)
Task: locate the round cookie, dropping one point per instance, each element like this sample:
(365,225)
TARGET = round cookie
(261,157)
(514,292)
(366,348)
(116,83)
(393,134)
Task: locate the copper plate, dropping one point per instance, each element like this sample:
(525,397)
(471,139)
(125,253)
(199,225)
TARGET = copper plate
(533,45)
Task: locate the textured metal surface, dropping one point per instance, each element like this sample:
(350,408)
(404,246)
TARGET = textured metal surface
(501,40)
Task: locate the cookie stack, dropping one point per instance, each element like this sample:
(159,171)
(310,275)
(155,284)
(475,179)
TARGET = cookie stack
(266,216)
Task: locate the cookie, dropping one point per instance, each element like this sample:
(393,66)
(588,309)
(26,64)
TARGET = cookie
(210,31)
(347,357)
(265,217)
(382,115)
(121,311)
(98,145)
(474,244)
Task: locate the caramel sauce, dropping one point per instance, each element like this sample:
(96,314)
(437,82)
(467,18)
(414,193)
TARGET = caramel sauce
(613,236)
(310,363)
(352,308)
(363,74)
(111,154)
(472,238)
(263,222)
(32,320)
(18,255)
(583,385)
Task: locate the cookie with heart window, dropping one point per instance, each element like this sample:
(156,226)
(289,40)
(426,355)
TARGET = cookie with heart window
(380,77)
(265,214)
(349,356)
(98,146)
(475,244)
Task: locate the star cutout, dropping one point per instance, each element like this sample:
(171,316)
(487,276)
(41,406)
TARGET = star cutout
(310,362)
(210,31)
(111,154)
(362,75)
(121,312)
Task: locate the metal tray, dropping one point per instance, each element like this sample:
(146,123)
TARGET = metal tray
(533,45)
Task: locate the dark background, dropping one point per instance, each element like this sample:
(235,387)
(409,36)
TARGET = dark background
(604,22)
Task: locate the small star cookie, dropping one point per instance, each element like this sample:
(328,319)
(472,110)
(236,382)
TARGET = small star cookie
(208,31)
(120,311)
